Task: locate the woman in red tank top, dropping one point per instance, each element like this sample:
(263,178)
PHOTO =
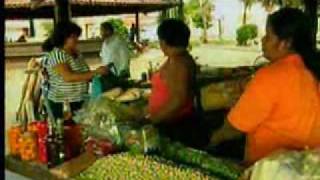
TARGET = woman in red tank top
(171,100)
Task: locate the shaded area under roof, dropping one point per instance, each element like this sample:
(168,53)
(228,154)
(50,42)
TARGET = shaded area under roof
(21,9)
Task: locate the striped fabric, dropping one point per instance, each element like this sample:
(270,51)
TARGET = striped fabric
(45,80)
(61,91)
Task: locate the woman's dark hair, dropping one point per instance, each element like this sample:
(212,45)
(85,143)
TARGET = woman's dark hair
(47,45)
(61,32)
(174,32)
(107,26)
(293,25)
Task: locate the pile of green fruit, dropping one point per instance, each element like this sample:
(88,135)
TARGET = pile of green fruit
(219,167)
(136,167)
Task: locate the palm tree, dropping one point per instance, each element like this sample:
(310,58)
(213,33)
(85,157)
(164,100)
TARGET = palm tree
(269,4)
(247,5)
(198,12)
(204,20)
(310,7)
(180,10)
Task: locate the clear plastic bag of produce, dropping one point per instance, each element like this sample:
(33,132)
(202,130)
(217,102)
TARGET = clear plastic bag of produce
(104,118)
(298,165)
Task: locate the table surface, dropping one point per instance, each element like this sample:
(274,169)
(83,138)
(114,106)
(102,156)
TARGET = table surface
(31,170)
(9,175)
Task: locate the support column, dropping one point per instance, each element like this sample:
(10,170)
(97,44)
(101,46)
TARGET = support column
(31,25)
(87,31)
(62,11)
(137,27)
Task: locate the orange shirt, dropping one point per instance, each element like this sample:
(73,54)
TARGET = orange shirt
(280,108)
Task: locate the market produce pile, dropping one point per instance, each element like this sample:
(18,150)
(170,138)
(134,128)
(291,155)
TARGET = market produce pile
(136,167)
(108,119)
(196,158)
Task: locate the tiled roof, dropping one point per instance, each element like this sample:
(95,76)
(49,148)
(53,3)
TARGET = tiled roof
(23,9)
(26,3)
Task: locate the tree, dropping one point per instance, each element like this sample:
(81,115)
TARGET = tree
(269,4)
(198,12)
(48,28)
(310,8)
(169,13)
(119,27)
(176,13)
(247,5)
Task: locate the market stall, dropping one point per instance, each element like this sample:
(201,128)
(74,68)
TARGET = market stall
(109,126)
(106,139)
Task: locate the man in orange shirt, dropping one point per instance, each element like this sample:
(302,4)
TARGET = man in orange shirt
(280,107)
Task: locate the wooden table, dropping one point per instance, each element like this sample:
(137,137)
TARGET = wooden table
(30,170)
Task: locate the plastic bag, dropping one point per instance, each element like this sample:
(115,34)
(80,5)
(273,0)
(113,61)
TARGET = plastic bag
(101,84)
(297,165)
(104,118)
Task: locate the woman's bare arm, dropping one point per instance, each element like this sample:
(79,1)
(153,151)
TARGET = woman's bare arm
(69,76)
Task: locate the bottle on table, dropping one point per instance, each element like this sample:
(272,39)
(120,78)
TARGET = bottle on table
(52,148)
(71,134)
(59,140)
(67,113)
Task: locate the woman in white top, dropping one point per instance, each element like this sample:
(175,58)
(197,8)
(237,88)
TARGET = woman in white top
(114,51)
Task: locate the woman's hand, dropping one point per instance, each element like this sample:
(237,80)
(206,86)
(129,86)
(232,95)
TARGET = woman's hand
(102,70)
(217,138)
(225,133)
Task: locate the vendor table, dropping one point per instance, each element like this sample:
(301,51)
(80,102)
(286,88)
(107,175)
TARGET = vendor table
(30,170)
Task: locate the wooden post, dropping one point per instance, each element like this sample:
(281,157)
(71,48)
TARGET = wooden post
(87,31)
(137,27)
(62,11)
(311,11)
(31,25)
(220,28)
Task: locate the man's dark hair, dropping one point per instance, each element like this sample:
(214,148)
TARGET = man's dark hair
(62,31)
(294,26)
(174,32)
(107,26)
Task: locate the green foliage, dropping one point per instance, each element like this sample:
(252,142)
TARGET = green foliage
(169,13)
(197,14)
(119,27)
(290,3)
(48,27)
(246,33)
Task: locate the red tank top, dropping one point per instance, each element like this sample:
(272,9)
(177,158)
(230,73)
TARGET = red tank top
(160,95)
